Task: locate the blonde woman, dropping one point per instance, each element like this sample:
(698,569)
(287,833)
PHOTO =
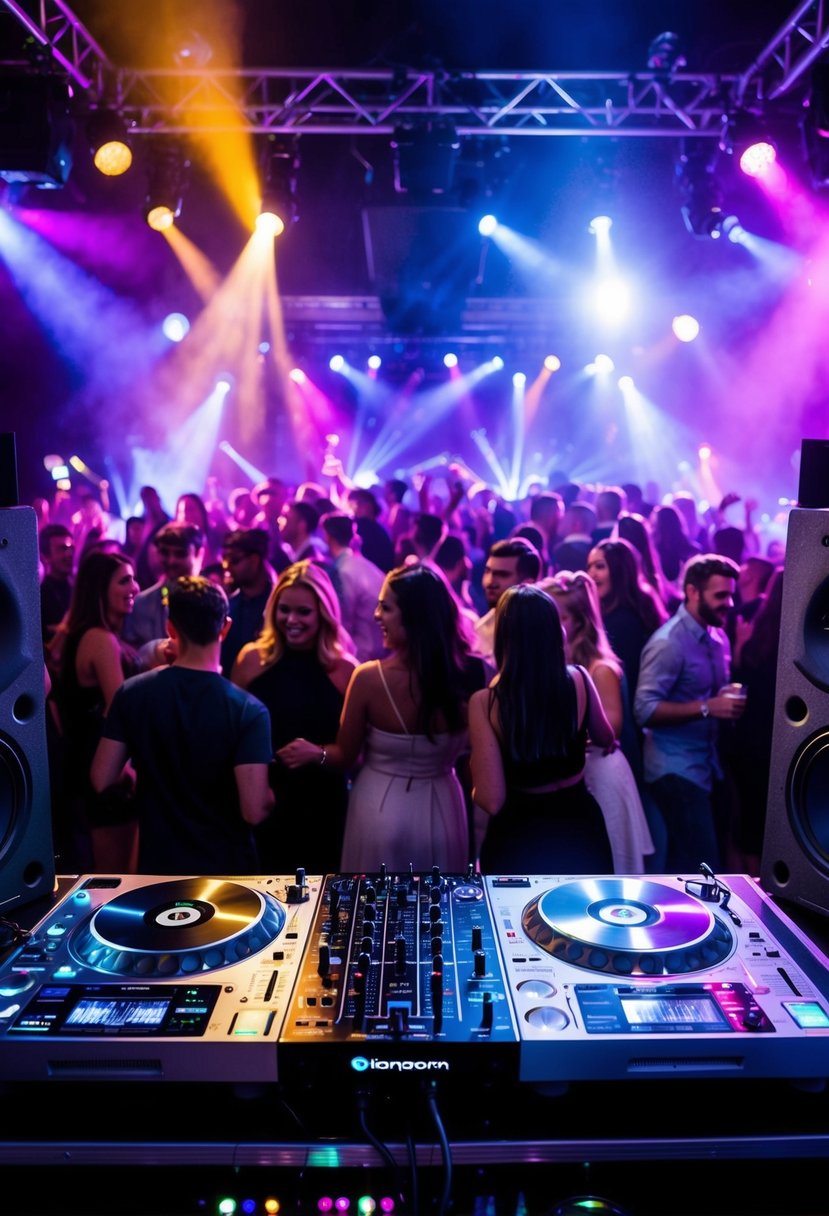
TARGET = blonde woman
(607,774)
(299,667)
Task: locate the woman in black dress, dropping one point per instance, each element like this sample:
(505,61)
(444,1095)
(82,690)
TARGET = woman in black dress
(299,667)
(528,734)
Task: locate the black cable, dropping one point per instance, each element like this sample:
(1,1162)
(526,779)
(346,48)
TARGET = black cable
(412,1150)
(382,1149)
(446,1151)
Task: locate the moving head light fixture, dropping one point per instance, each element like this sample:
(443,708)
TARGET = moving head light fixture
(165,186)
(36,130)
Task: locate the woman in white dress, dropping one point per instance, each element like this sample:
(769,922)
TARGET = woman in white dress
(406,716)
(607,775)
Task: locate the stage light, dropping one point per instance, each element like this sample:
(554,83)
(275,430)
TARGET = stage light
(665,54)
(745,136)
(165,186)
(297,375)
(519,379)
(280,166)
(36,130)
(481,170)
(450,359)
(497,363)
(374,362)
(424,157)
(611,300)
(603,365)
(107,134)
(701,192)
(175,327)
(194,51)
(336,363)
(487,225)
(600,225)
(552,363)
(625,384)
(685,327)
(816,126)
(268,221)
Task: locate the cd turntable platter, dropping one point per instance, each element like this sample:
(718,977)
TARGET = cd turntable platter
(627,926)
(181,927)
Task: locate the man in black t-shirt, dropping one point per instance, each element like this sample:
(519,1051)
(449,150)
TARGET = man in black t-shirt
(200,748)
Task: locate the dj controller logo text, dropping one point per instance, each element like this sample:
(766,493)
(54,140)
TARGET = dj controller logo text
(361,1064)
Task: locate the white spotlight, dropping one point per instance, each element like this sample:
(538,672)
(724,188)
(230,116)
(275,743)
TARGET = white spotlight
(625,383)
(552,363)
(487,225)
(336,363)
(175,326)
(450,359)
(519,379)
(297,375)
(603,365)
(374,362)
(685,327)
(600,225)
(612,299)
(497,363)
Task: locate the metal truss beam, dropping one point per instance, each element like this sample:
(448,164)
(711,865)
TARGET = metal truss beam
(783,63)
(327,101)
(345,101)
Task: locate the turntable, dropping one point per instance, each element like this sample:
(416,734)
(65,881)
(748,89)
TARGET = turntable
(156,978)
(616,977)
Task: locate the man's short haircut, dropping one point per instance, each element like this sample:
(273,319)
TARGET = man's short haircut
(306,511)
(198,609)
(611,499)
(48,533)
(450,551)
(528,565)
(582,514)
(181,535)
(365,498)
(397,487)
(702,566)
(429,529)
(248,541)
(545,502)
(339,526)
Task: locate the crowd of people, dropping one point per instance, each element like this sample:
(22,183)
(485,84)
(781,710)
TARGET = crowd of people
(338,678)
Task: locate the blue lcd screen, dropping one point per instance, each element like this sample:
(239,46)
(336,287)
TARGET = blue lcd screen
(808,1015)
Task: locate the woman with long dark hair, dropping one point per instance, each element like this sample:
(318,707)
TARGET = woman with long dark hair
(406,716)
(631,609)
(608,774)
(90,660)
(529,733)
(299,667)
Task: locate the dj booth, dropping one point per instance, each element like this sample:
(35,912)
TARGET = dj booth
(415,1043)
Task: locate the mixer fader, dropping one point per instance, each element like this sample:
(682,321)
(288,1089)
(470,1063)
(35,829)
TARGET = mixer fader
(401,974)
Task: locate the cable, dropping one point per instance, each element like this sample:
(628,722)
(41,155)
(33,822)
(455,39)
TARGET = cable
(412,1151)
(446,1152)
(382,1149)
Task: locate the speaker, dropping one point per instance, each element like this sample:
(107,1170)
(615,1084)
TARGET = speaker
(795,857)
(27,863)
